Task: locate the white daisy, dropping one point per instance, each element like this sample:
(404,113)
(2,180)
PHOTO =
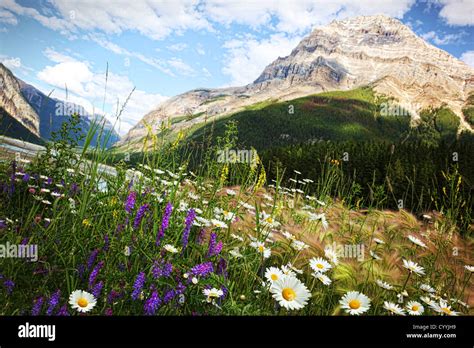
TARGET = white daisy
(427,288)
(218,223)
(469,268)
(290,292)
(374,255)
(260,246)
(236,253)
(170,248)
(288,235)
(287,271)
(231,192)
(378,241)
(331,254)
(319,265)
(273,274)
(355,303)
(427,300)
(268,220)
(322,277)
(299,245)
(384,285)
(443,308)
(417,241)
(415,308)
(212,294)
(82,301)
(413,267)
(393,308)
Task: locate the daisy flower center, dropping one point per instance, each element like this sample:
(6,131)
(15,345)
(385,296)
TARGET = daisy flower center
(269,220)
(82,302)
(288,294)
(320,266)
(274,277)
(261,248)
(354,304)
(414,308)
(446,310)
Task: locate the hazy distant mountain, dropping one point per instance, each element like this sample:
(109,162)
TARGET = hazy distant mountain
(376,51)
(53,112)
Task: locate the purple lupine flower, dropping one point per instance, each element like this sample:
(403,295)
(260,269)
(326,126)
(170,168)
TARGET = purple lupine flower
(222,267)
(113,295)
(63,312)
(3,224)
(92,258)
(164,223)
(38,304)
(24,241)
(159,270)
(9,284)
(53,302)
(214,247)
(95,273)
(138,218)
(188,224)
(170,294)
(74,189)
(106,243)
(108,312)
(152,303)
(200,237)
(180,288)
(130,203)
(26,177)
(81,270)
(203,269)
(97,289)
(49,181)
(138,285)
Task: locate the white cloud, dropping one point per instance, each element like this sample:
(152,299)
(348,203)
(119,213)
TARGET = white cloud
(154,19)
(200,49)
(457,12)
(468,58)
(181,67)
(247,57)
(11,62)
(159,19)
(8,18)
(298,16)
(87,88)
(443,40)
(177,47)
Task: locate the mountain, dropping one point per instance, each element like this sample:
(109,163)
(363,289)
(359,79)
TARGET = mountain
(27,113)
(53,112)
(17,117)
(375,51)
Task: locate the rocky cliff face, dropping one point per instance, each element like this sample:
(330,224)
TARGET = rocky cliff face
(375,51)
(14,104)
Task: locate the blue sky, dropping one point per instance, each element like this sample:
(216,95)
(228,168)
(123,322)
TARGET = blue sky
(163,48)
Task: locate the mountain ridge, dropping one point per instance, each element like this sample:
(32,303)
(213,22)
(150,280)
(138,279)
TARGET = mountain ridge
(336,57)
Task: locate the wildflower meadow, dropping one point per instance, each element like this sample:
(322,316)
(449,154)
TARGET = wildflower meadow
(157,237)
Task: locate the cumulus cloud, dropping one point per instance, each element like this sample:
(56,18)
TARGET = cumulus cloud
(83,82)
(159,19)
(443,39)
(10,62)
(468,58)
(248,56)
(177,47)
(457,12)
